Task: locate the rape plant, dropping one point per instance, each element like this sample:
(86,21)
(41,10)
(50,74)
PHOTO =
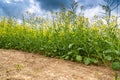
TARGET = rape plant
(67,36)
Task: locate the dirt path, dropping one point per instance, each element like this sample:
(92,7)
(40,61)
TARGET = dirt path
(18,65)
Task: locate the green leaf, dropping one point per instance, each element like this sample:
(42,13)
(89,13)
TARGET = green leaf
(54,50)
(117,52)
(95,61)
(108,51)
(71,45)
(108,42)
(70,52)
(87,61)
(80,49)
(66,57)
(78,58)
(109,58)
(115,65)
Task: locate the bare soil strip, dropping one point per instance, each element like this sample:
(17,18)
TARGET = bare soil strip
(18,65)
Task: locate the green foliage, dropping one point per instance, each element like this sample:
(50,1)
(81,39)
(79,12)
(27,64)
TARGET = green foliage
(65,37)
(19,66)
(116,76)
(78,58)
(116,65)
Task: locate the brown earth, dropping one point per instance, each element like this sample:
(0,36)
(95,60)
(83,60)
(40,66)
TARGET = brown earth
(18,65)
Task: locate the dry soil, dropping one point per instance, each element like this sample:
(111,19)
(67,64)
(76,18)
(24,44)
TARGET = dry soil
(18,65)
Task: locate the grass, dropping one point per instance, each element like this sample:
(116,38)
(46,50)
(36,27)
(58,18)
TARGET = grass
(65,36)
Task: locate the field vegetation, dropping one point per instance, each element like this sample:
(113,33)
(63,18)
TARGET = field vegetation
(65,35)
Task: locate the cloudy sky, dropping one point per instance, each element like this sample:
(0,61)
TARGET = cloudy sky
(15,8)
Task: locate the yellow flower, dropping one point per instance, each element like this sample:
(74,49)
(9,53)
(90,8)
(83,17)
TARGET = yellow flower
(95,28)
(61,34)
(87,19)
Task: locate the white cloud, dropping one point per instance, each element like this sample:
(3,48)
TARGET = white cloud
(93,11)
(35,8)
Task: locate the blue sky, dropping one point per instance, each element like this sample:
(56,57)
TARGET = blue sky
(15,8)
